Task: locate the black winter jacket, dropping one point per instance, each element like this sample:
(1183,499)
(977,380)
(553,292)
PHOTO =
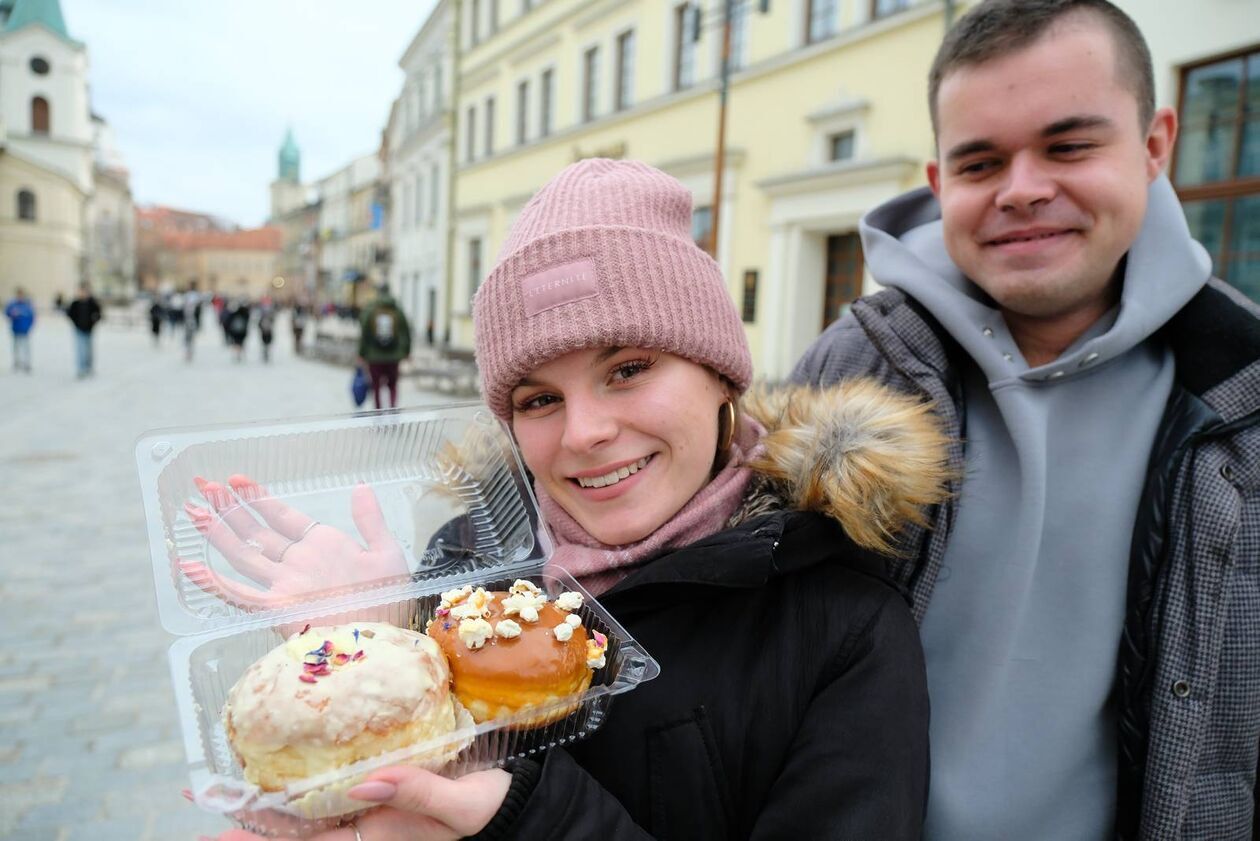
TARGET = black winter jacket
(792,699)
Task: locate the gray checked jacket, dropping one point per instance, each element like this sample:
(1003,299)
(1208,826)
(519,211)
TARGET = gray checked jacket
(1188,682)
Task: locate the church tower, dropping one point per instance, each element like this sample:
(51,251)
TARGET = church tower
(287,192)
(44,104)
(47,174)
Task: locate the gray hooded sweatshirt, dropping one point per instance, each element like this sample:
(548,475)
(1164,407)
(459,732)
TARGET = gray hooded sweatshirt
(1023,629)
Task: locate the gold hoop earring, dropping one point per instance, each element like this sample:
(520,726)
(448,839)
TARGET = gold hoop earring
(726,425)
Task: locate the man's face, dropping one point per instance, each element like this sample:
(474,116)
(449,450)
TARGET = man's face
(1043,169)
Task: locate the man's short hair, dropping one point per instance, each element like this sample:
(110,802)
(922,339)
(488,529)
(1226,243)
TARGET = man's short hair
(997,28)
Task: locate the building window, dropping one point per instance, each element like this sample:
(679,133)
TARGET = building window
(840,145)
(820,20)
(474,23)
(590,83)
(546,92)
(625,71)
(470,139)
(494,16)
(437,88)
(39,66)
(749,309)
(686,22)
(702,226)
(884,8)
(40,118)
(404,211)
(433,192)
(526,5)
(1216,168)
(489,126)
(26,205)
(843,282)
(522,112)
(474,267)
(739,36)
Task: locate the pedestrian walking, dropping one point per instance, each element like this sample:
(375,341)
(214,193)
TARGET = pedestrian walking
(266,325)
(740,544)
(1088,596)
(21,315)
(384,341)
(84,312)
(190,316)
(236,326)
(156,313)
(298,326)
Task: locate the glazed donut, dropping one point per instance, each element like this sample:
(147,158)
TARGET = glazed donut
(514,651)
(329,697)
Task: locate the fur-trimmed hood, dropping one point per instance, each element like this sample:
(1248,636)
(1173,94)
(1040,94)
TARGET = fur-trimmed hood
(868,457)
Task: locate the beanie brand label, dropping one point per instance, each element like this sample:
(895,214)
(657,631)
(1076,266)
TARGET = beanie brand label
(559,285)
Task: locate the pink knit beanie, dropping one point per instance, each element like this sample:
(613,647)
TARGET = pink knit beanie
(602,256)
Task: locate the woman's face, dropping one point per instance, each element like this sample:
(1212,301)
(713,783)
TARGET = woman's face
(621,438)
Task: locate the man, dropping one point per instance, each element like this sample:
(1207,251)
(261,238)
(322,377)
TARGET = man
(384,341)
(1089,600)
(21,317)
(84,313)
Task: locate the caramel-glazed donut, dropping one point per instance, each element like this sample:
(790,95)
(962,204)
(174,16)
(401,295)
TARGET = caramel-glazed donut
(514,651)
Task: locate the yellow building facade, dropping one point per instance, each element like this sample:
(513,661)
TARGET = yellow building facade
(826,117)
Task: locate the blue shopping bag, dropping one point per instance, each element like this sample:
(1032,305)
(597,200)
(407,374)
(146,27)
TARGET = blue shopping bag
(359,385)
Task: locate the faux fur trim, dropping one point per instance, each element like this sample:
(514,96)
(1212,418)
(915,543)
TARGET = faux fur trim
(870,458)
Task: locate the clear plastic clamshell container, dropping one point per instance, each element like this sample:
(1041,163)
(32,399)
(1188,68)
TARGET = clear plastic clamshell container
(222,503)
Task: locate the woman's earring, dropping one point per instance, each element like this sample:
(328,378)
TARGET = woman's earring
(726,425)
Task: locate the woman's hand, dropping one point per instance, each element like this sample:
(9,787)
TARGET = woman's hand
(416,805)
(288,554)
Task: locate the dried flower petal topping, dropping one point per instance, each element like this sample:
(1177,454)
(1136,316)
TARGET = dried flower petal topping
(507,629)
(563,632)
(475,632)
(569,601)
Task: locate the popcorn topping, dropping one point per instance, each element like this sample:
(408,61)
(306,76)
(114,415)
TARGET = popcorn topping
(569,601)
(454,597)
(475,632)
(563,632)
(523,604)
(523,587)
(573,621)
(595,649)
(507,629)
(475,606)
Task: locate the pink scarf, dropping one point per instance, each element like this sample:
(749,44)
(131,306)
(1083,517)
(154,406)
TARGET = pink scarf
(599,566)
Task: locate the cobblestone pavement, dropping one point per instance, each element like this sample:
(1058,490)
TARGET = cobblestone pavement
(90,747)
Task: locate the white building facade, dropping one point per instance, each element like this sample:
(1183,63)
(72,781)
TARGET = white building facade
(350,229)
(417,155)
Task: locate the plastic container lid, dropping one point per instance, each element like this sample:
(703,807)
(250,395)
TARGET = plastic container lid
(426,467)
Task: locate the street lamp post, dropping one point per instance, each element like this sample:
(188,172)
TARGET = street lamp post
(715,214)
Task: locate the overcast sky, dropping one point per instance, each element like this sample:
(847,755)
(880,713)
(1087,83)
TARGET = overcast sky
(199,93)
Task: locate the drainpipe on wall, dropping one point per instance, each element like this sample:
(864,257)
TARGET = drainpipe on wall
(453,147)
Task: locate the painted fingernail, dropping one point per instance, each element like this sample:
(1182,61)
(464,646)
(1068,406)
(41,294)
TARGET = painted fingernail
(374,791)
(187,793)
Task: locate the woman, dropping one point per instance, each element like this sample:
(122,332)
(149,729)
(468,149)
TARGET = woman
(792,699)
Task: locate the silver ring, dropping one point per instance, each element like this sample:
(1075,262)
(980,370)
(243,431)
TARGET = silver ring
(254,544)
(355,826)
(307,530)
(280,557)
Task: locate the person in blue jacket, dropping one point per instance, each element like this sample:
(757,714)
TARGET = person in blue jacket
(21,315)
